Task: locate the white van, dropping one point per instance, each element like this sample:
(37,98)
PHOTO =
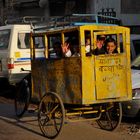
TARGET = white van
(135,45)
(15,52)
(132,108)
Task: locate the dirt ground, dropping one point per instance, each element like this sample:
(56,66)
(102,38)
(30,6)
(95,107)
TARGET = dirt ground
(27,128)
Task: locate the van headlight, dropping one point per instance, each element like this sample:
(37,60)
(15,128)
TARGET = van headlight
(136,93)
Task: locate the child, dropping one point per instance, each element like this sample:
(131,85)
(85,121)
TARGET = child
(111,46)
(99,45)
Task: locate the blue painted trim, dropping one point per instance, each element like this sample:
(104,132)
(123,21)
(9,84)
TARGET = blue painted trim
(27,59)
(87,23)
(40,58)
(23,59)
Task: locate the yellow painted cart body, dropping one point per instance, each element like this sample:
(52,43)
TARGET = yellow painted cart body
(85,79)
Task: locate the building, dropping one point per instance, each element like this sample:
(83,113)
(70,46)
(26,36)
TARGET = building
(28,8)
(128,12)
(14,9)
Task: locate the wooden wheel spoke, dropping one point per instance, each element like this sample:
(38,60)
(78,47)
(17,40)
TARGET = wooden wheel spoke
(53,117)
(111,118)
(56,127)
(22,98)
(53,110)
(50,106)
(45,121)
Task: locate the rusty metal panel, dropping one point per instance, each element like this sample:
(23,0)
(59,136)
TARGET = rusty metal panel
(62,76)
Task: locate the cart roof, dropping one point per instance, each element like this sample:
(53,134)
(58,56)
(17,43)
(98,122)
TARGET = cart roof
(74,21)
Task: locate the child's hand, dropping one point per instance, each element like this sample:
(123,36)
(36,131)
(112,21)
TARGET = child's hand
(65,47)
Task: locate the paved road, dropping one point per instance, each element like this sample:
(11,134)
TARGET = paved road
(27,128)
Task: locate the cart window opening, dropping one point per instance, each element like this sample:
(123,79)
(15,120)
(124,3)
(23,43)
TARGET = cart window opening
(4,39)
(108,44)
(54,44)
(120,43)
(71,48)
(39,42)
(23,40)
(39,45)
(117,42)
(87,43)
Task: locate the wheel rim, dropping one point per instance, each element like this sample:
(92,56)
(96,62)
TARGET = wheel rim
(51,115)
(111,118)
(22,98)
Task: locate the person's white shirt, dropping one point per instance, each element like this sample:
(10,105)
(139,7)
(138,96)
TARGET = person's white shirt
(68,53)
(87,48)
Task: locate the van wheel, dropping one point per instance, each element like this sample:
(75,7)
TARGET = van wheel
(22,98)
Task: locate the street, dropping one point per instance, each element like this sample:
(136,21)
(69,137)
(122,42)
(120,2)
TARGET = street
(27,127)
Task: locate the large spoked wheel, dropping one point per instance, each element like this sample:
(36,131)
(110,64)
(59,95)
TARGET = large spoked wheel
(111,118)
(22,98)
(51,115)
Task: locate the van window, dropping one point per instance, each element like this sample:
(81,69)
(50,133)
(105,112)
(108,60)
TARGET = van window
(4,39)
(136,44)
(23,40)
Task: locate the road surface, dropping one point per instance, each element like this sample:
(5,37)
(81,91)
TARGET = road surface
(27,128)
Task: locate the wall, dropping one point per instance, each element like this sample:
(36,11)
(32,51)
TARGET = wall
(129,16)
(63,7)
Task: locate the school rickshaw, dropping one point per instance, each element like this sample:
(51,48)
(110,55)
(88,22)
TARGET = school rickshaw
(78,88)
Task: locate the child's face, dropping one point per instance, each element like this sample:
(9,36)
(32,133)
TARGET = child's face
(110,47)
(87,41)
(99,44)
